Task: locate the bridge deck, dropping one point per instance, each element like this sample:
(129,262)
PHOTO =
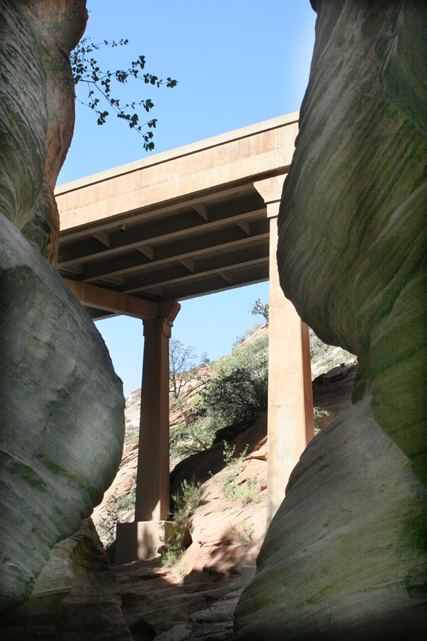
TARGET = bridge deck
(174,226)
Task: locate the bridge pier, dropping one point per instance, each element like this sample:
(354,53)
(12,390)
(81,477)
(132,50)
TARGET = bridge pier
(142,538)
(290,396)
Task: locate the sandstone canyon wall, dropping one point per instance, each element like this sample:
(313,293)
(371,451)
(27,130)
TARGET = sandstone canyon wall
(37,111)
(345,555)
(61,412)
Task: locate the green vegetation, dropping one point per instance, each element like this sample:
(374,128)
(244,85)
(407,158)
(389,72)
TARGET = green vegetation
(163,625)
(132,434)
(261,309)
(320,352)
(246,492)
(238,388)
(321,418)
(126,501)
(197,436)
(237,391)
(240,533)
(185,503)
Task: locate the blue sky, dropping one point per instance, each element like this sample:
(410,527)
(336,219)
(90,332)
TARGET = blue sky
(237,62)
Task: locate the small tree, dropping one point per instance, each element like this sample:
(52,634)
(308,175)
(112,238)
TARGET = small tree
(180,361)
(263,310)
(204,359)
(239,387)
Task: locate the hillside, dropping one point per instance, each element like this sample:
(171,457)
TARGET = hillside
(227,527)
(330,399)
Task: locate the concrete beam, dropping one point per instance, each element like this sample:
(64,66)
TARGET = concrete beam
(228,276)
(171,228)
(158,212)
(202,210)
(227,238)
(186,150)
(146,250)
(189,264)
(110,301)
(216,283)
(243,224)
(175,274)
(152,482)
(102,236)
(270,189)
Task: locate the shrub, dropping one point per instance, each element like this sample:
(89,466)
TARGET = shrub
(246,492)
(196,437)
(240,534)
(131,434)
(238,389)
(126,501)
(185,503)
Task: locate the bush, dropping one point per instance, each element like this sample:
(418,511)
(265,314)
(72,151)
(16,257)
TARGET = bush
(239,388)
(240,533)
(246,492)
(236,392)
(185,503)
(126,501)
(237,396)
(196,437)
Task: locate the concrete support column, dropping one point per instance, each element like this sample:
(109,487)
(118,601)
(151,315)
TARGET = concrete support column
(142,538)
(290,397)
(152,483)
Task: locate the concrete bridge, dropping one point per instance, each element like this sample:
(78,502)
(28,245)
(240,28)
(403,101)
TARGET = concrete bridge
(199,219)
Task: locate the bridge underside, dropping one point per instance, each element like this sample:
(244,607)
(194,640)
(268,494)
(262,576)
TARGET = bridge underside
(201,219)
(180,251)
(178,225)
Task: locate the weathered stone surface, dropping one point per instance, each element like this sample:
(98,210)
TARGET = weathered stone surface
(58,27)
(42,230)
(76,596)
(353,214)
(23,115)
(212,624)
(61,415)
(162,598)
(345,556)
(37,111)
(215,623)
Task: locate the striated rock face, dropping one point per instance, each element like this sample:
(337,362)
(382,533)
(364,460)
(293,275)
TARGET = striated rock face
(76,596)
(61,414)
(37,111)
(58,27)
(353,214)
(61,411)
(23,121)
(346,556)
